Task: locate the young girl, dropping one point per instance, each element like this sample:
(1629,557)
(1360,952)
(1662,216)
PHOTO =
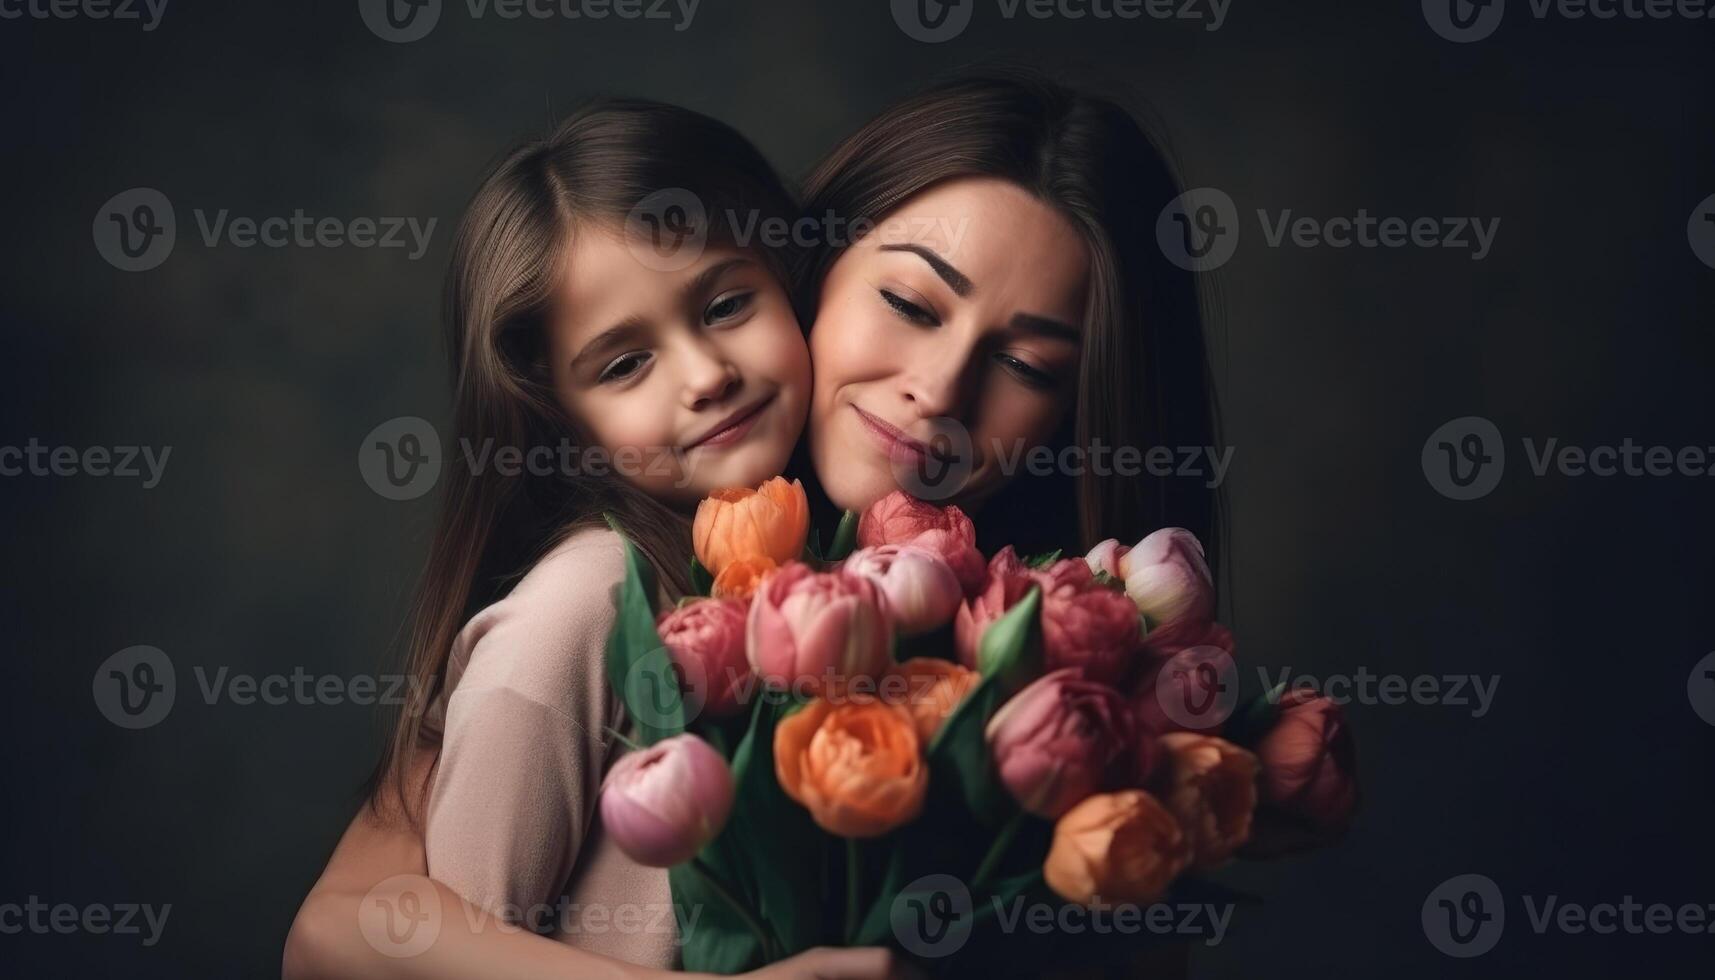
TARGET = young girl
(598,307)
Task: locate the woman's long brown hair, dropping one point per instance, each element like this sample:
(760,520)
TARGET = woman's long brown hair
(1144,379)
(595,168)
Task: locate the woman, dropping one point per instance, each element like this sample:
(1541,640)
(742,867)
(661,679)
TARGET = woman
(1010,297)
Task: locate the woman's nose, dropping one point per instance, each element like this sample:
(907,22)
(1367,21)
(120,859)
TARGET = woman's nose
(937,383)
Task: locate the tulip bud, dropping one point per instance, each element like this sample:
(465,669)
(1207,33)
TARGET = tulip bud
(922,591)
(1056,741)
(706,641)
(1168,578)
(1210,785)
(817,629)
(770,522)
(933,690)
(856,766)
(1309,762)
(1116,847)
(661,804)
(900,518)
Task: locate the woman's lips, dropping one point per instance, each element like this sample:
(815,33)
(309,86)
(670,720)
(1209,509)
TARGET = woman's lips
(894,443)
(734,428)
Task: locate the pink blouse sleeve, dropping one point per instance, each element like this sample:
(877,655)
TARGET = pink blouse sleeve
(526,739)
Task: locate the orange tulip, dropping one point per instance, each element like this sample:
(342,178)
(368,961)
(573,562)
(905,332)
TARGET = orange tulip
(770,522)
(856,766)
(1118,847)
(933,688)
(741,577)
(1210,785)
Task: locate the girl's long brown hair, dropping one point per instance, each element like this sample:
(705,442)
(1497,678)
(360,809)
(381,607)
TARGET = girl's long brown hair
(595,168)
(1144,379)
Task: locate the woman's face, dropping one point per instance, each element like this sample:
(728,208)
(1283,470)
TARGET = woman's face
(946,344)
(689,379)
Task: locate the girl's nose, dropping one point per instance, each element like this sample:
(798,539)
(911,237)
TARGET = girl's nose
(710,376)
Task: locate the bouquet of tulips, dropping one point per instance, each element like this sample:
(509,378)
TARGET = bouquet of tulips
(829,734)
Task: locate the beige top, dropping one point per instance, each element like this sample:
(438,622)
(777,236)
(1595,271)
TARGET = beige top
(512,823)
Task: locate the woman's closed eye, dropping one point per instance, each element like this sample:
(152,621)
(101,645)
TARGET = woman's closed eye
(1029,374)
(908,311)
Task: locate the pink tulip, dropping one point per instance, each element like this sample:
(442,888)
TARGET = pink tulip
(1309,762)
(1106,557)
(1058,740)
(706,640)
(1084,625)
(1168,578)
(661,804)
(811,629)
(1194,690)
(922,591)
(900,518)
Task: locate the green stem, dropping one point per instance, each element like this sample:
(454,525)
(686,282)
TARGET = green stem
(852,870)
(997,850)
(714,881)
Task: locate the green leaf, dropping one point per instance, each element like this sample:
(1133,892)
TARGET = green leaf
(702,580)
(814,545)
(1114,582)
(1011,647)
(715,938)
(1043,561)
(639,668)
(845,537)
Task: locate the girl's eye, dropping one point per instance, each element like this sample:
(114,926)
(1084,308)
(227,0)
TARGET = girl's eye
(728,307)
(1034,377)
(909,311)
(624,366)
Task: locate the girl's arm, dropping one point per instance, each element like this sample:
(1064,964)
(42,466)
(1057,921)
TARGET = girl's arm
(380,858)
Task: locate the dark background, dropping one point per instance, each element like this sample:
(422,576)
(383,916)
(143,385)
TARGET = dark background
(263,550)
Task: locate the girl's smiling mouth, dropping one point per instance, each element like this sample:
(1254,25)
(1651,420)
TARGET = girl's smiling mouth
(734,428)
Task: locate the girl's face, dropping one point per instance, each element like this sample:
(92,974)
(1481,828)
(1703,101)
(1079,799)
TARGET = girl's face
(689,380)
(946,345)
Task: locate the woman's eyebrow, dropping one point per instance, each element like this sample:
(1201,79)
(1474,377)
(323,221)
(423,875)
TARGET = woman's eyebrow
(956,280)
(1046,327)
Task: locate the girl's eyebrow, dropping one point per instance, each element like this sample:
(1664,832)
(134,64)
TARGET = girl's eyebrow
(955,280)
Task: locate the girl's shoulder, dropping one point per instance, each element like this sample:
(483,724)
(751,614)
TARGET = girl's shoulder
(546,637)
